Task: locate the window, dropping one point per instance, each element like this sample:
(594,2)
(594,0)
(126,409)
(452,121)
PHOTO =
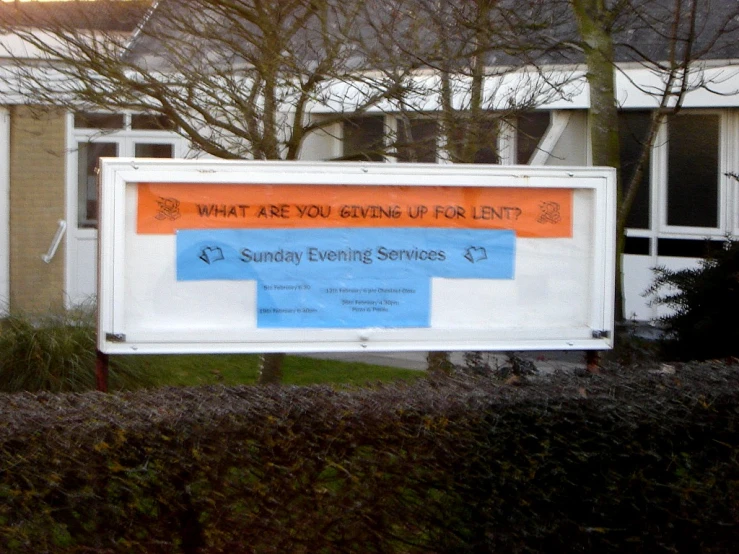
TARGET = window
(485,150)
(417,140)
(530,129)
(470,141)
(99,135)
(147,122)
(88,159)
(633,130)
(475,141)
(364,138)
(90,120)
(113,121)
(150,150)
(693,171)
(88,156)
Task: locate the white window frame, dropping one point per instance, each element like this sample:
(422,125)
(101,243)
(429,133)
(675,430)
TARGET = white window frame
(507,143)
(126,139)
(661,160)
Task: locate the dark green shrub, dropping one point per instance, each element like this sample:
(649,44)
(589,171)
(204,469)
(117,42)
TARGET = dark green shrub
(57,353)
(704,322)
(626,461)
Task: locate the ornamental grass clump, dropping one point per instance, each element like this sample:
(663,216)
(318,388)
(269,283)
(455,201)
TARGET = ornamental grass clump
(57,353)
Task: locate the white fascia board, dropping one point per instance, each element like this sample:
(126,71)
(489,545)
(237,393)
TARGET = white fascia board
(19,46)
(550,89)
(563,88)
(16,84)
(16,46)
(555,88)
(714,86)
(354,95)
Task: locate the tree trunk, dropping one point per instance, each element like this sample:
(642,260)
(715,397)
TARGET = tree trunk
(593,22)
(270,365)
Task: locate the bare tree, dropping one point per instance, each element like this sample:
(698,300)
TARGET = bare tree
(473,65)
(240,78)
(477,65)
(235,77)
(672,39)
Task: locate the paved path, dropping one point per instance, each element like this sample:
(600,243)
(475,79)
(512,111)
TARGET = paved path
(545,362)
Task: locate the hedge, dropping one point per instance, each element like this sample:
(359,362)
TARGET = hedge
(627,460)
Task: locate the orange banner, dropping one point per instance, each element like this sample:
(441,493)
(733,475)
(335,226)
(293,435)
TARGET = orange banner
(531,212)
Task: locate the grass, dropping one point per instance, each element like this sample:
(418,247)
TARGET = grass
(242,369)
(56,353)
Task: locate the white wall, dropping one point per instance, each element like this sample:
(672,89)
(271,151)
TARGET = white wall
(572,146)
(323,144)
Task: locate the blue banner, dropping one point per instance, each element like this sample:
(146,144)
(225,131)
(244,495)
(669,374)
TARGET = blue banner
(346,304)
(344,278)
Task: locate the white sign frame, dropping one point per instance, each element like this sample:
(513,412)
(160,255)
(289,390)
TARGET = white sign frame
(121,331)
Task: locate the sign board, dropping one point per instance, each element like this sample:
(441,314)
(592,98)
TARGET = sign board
(220,256)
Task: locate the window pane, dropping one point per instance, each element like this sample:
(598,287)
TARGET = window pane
(530,129)
(88,156)
(417,144)
(364,138)
(144,150)
(692,187)
(633,128)
(148,122)
(487,151)
(90,120)
(475,141)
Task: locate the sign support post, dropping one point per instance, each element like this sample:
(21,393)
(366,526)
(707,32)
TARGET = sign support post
(102,365)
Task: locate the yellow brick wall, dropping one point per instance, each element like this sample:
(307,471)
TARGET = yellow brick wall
(37,176)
